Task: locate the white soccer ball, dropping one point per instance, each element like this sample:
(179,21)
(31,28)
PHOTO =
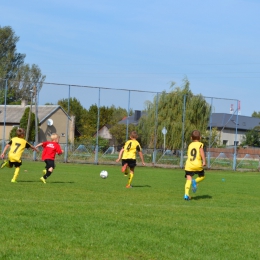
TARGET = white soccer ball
(103,174)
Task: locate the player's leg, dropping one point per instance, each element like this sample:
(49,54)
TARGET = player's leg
(17,166)
(48,173)
(127,171)
(130,179)
(201,176)
(195,182)
(194,185)
(124,167)
(49,169)
(131,165)
(188,176)
(16,173)
(6,163)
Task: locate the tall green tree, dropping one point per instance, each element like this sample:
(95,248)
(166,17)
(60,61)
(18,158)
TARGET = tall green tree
(108,116)
(21,77)
(170,109)
(86,119)
(24,123)
(10,59)
(28,79)
(77,110)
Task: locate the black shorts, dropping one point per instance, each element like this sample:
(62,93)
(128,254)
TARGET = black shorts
(15,164)
(130,162)
(192,173)
(49,164)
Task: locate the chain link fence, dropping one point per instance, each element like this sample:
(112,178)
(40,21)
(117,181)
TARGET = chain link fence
(222,134)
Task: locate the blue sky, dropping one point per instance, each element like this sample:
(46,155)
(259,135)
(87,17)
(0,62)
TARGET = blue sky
(142,45)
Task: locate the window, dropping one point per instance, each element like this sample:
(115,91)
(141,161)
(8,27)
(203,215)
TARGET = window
(225,142)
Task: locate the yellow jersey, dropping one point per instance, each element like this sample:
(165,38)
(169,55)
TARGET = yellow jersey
(130,148)
(17,146)
(194,160)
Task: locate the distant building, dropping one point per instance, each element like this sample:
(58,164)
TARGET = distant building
(104,133)
(228,123)
(52,119)
(133,119)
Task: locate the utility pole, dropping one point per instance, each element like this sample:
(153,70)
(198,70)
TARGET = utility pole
(29,117)
(35,89)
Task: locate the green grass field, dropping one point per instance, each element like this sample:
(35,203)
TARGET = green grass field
(78,215)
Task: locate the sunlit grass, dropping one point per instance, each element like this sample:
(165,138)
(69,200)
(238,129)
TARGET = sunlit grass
(78,215)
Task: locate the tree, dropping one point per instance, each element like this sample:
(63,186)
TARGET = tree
(170,115)
(86,120)
(77,110)
(10,60)
(252,137)
(118,132)
(28,78)
(107,116)
(24,124)
(213,138)
(21,77)
(256,114)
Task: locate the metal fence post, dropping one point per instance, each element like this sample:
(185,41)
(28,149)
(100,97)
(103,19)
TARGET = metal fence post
(235,144)
(183,129)
(3,141)
(36,121)
(127,120)
(155,130)
(210,132)
(67,130)
(98,115)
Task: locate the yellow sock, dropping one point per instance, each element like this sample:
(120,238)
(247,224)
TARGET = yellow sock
(199,179)
(131,176)
(16,173)
(187,187)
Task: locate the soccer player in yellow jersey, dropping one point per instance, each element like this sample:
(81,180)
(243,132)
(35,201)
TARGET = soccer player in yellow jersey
(17,146)
(129,156)
(194,164)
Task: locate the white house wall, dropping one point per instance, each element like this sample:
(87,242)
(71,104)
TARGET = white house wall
(104,133)
(230,136)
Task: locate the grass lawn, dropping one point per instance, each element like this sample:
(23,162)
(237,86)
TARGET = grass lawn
(78,215)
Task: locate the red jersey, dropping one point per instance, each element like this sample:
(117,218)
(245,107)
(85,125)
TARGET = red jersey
(50,149)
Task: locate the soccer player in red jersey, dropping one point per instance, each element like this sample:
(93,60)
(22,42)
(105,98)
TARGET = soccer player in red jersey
(50,149)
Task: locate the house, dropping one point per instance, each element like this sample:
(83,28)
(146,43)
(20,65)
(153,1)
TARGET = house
(133,119)
(229,124)
(104,133)
(224,122)
(232,127)
(104,130)
(52,119)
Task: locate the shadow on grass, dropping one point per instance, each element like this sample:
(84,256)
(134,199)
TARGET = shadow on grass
(202,197)
(54,182)
(141,186)
(49,182)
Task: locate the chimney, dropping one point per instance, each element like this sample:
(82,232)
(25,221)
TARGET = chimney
(137,115)
(24,103)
